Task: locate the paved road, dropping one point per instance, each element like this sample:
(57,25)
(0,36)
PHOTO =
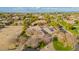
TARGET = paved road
(8,35)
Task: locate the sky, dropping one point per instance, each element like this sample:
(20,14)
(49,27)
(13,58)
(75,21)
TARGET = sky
(39,9)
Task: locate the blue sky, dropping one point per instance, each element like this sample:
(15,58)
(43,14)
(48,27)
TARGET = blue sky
(39,9)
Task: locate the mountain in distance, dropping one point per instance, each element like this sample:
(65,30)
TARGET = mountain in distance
(39,9)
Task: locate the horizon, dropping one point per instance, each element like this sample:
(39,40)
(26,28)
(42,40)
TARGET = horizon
(38,9)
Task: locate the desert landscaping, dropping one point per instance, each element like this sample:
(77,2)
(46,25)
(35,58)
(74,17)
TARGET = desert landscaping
(39,31)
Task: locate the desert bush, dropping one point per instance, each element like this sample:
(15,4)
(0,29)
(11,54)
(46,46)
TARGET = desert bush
(60,46)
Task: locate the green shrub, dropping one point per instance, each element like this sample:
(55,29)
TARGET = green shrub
(41,44)
(60,46)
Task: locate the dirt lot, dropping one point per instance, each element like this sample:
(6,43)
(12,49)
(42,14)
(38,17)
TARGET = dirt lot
(8,35)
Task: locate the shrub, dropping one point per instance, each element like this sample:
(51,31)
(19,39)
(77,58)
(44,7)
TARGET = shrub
(60,46)
(41,44)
